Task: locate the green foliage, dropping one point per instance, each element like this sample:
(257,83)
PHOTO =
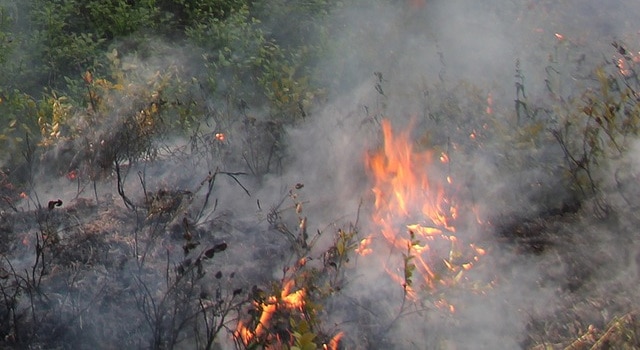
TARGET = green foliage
(187,13)
(407,258)
(19,119)
(245,64)
(6,37)
(115,18)
(303,336)
(62,45)
(236,53)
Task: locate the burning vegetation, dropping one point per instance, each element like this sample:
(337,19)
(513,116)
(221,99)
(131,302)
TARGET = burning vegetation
(315,175)
(416,212)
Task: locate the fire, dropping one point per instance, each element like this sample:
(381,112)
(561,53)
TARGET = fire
(402,185)
(72,175)
(624,68)
(489,109)
(364,248)
(334,343)
(220,137)
(261,331)
(412,193)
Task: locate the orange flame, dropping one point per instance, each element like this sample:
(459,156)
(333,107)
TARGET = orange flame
(334,343)
(402,186)
(402,189)
(364,248)
(410,194)
(261,332)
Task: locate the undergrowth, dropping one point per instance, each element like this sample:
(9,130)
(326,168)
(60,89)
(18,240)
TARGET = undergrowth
(96,110)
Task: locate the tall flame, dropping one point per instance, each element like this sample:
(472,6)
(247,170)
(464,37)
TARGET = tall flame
(402,185)
(410,197)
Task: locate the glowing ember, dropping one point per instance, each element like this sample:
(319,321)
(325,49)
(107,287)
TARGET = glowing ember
(624,68)
(72,175)
(220,137)
(411,196)
(489,109)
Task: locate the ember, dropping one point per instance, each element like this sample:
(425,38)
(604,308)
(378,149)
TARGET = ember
(72,175)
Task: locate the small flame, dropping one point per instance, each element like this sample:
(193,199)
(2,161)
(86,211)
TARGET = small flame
(261,332)
(220,137)
(334,343)
(364,247)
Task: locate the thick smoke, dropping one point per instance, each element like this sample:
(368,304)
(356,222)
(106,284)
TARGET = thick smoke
(481,43)
(411,65)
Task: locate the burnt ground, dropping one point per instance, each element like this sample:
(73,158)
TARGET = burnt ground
(101,275)
(589,257)
(87,274)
